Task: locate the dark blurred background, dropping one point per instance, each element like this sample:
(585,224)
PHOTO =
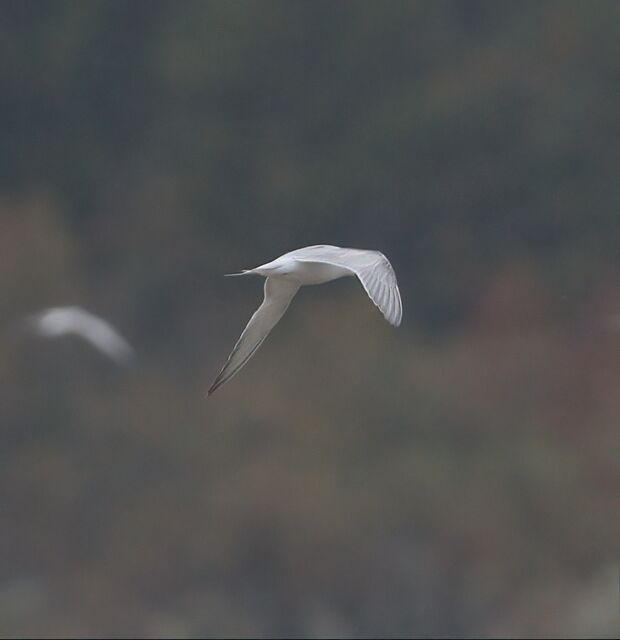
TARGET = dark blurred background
(458,476)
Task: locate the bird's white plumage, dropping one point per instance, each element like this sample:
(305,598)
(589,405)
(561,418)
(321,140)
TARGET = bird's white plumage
(371,267)
(311,265)
(278,296)
(60,321)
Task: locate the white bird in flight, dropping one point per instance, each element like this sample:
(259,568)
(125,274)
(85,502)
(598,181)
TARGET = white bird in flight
(60,321)
(311,265)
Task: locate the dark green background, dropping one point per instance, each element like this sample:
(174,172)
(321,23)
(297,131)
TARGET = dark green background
(459,476)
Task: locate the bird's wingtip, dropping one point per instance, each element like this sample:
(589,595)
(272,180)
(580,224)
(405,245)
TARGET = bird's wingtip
(394,321)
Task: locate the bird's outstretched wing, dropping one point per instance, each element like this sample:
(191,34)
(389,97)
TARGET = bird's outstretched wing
(59,321)
(371,267)
(278,296)
(104,337)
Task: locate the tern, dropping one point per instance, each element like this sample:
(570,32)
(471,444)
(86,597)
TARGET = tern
(311,265)
(60,321)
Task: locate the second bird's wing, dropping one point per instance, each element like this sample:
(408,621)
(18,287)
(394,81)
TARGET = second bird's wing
(371,267)
(99,333)
(278,296)
(104,337)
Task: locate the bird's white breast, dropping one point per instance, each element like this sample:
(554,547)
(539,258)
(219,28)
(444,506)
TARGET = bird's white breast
(319,272)
(304,273)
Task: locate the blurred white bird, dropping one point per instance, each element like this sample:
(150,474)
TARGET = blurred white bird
(61,321)
(311,265)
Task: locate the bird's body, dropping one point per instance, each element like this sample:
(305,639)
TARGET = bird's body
(307,266)
(60,321)
(299,267)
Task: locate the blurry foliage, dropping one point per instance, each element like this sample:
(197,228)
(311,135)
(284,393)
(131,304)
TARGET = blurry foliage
(457,477)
